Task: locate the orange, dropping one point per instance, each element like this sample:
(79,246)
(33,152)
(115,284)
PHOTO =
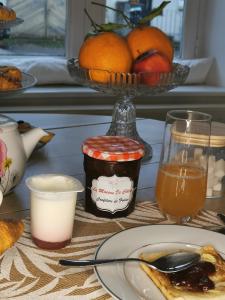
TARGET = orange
(104,53)
(144,38)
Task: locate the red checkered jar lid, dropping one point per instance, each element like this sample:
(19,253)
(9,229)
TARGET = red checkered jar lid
(113,148)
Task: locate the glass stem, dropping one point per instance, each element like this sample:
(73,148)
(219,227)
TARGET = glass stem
(124,123)
(123,118)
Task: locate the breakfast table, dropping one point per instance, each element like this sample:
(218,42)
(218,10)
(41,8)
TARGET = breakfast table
(28,272)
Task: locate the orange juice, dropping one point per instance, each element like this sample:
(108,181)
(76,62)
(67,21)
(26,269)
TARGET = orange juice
(181,189)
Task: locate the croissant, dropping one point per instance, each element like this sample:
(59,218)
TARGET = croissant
(10,231)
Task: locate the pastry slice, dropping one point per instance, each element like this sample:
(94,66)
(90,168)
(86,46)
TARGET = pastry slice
(6,13)
(10,232)
(206,280)
(10,78)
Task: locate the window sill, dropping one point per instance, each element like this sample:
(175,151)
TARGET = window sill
(76,91)
(72,99)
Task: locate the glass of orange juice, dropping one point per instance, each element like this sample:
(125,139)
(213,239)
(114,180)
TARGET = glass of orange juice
(182,176)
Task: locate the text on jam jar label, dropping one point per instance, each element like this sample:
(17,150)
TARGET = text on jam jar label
(112,193)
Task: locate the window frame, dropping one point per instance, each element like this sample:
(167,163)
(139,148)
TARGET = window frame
(78,25)
(192,21)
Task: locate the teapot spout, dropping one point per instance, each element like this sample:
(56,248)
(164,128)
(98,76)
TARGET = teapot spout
(31,138)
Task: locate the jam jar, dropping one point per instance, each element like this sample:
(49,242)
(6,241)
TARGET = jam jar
(112,165)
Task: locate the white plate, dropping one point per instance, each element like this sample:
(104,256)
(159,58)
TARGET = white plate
(129,282)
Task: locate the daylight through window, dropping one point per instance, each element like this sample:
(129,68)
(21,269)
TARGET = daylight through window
(170,22)
(41,33)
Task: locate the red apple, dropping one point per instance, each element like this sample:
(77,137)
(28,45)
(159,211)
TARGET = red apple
(150,65)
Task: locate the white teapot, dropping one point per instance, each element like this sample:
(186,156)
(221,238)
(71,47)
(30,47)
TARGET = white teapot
(15,149)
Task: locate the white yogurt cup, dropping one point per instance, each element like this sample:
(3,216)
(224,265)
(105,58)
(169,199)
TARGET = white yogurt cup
(53,201)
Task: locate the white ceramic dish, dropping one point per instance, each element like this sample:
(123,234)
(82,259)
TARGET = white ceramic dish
(129,281)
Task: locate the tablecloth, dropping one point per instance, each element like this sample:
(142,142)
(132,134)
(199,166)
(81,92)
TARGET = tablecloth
(28,272)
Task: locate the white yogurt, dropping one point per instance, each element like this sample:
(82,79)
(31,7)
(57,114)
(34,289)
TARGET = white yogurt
(53,200)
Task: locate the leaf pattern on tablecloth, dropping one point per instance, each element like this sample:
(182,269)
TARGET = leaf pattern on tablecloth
(28,272)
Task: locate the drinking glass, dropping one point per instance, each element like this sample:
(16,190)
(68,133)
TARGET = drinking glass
(182,175)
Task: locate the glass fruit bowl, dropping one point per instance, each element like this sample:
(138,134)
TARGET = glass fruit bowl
(126,86)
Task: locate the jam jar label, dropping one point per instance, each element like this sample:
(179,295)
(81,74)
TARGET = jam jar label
(112,193)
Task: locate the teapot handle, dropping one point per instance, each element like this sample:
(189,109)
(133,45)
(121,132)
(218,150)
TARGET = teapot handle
(1,197)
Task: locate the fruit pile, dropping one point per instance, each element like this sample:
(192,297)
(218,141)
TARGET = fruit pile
(146,50)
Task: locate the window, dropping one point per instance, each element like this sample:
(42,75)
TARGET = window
(41,33)
(57,27)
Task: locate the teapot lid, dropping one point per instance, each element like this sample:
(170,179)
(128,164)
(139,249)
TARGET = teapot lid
(7,122)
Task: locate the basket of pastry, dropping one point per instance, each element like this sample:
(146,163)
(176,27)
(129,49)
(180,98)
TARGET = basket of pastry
(205,280)
(10,232)
(8,17)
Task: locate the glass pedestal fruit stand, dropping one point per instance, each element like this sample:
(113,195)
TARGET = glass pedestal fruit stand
(126,86)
